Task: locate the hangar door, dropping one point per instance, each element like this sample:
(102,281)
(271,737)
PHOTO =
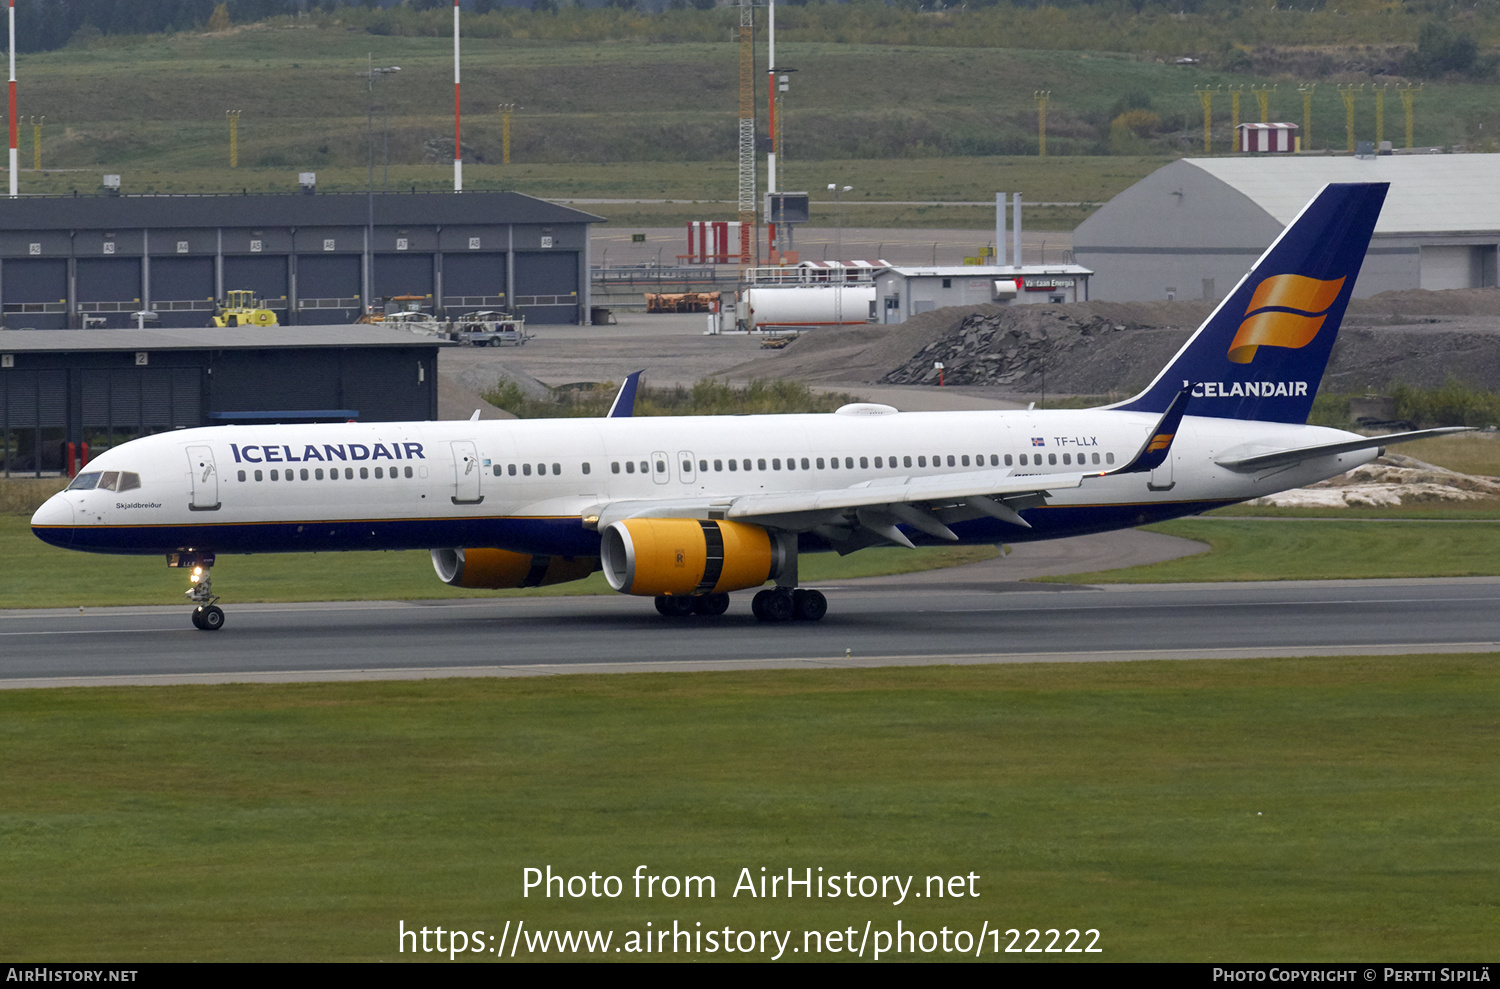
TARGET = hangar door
(109,286)
(547,287)
(474,281)
(36,293)
(266,276)
(182,290)
(33,421)
(328,288)
(1458,266)
(403,274)
(121,404)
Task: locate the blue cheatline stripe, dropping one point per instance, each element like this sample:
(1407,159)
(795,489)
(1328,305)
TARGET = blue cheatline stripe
(551,536)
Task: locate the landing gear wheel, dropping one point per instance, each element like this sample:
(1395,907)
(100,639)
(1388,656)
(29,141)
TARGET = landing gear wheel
(710,605)
(810,606)
(758,604)
(777,606)
(210,618)
(673,606)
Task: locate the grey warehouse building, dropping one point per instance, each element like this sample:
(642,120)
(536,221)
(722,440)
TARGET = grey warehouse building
(314,259)
(67,396)
(1191,229)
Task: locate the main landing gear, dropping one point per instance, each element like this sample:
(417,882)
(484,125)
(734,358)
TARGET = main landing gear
(785,604)
(781,604)
(207,616)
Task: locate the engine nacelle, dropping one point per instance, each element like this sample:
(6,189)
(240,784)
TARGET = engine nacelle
(687,556)
(496,569)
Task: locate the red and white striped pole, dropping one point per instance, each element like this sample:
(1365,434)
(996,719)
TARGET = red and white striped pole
(15,161)
(458,152)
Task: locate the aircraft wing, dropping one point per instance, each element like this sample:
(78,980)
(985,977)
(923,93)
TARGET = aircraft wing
(868,512)
(1286,458)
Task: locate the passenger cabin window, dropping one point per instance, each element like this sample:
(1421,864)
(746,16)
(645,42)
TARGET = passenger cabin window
(776,463)
(820,463)
(242,476)
(878,463)
(734,465)
(557,470)
(761,463)
(1109,458)
(585,467)
(1052,459)
(1067,458)
(275,475)
(719,465)
(364,474)
(614,467)
(645,467)
(630,466)
(1008,461)
(257,475)
(805,465)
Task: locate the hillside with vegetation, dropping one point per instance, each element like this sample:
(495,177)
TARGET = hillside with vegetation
(616,102)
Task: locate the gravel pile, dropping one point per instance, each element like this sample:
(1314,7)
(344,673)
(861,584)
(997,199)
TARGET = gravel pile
(1388,482)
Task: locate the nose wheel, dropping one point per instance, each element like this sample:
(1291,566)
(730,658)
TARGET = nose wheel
(210,617)
(207,616)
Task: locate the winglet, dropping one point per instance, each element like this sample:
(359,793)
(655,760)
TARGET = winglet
(1158,445)
(624,405)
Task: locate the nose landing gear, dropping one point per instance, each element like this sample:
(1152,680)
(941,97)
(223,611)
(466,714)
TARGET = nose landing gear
(207,616)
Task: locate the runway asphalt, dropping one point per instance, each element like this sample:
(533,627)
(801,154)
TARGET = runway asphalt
(920,620)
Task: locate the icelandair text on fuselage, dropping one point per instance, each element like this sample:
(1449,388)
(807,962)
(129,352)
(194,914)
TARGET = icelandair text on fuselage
(283,453)
(766,884)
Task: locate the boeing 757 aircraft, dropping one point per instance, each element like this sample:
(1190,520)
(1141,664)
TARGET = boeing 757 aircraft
(686,510)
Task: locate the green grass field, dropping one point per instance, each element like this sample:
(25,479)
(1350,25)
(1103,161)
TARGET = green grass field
(1320,548)
(1276,810)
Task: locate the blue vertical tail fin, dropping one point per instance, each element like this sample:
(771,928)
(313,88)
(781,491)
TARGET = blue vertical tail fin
(1262,352)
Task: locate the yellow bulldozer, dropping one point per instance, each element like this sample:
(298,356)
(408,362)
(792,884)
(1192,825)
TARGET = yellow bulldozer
(242,308)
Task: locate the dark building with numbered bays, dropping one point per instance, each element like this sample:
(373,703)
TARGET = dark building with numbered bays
(76,261)
(68,396)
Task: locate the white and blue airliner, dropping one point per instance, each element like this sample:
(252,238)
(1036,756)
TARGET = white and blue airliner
(686,510)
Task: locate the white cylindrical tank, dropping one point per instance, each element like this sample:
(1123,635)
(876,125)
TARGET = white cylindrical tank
(806,305)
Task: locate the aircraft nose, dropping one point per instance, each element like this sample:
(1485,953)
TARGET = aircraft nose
(53,522)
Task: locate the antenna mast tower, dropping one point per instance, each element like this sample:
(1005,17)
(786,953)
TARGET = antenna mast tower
(747,129)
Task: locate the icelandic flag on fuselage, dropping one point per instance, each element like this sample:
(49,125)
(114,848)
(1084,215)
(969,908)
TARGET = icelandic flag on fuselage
(1263,351)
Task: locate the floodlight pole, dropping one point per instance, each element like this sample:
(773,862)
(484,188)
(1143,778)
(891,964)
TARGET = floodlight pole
(15,154)
(458,154)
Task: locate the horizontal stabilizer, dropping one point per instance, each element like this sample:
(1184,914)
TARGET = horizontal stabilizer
(1286,458)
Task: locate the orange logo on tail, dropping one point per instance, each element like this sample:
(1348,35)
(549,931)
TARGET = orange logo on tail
(1266,327)
(1160,442)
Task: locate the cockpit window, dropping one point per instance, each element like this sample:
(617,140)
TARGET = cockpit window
(109,480)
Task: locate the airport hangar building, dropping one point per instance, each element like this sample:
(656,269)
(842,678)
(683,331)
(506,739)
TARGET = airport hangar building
(1191,229)
(314,259)
(68,395)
